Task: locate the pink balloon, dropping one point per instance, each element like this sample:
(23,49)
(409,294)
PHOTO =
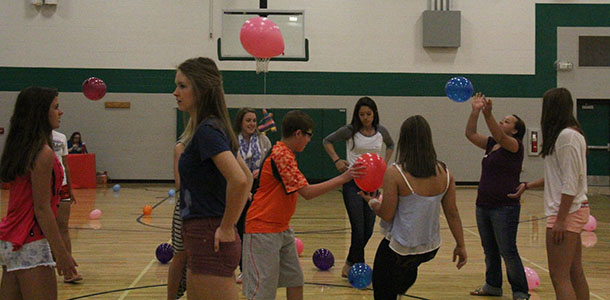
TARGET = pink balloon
(94,88)
(533,280)
(591,224)
(374,169)
(262,38)
(300,246)
(95,214)
(588,239)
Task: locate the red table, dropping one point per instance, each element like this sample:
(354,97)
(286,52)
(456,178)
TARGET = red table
(82,170)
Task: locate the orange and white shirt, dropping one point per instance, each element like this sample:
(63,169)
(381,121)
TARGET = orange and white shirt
(275,200)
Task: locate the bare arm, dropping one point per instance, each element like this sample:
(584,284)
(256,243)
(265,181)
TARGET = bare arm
(477,139)
(340,164)
(538,183)
(388,155)
(237,187)
(41,195)
(455,223)
(387,209)
(507,142)
(178,150)
(249,178)
(314,190)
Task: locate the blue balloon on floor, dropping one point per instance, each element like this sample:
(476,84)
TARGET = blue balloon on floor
(323,259)
(165,253)
(360,275)
(459,89)
(116,187)
(172,193)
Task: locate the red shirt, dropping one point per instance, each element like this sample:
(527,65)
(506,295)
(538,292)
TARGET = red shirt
(19,226)
(276,199)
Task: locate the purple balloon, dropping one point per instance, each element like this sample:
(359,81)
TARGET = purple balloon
(323,259)
(165,253)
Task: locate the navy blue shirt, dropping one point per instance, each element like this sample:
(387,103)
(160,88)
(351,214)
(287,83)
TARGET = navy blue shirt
(202,186)
(499,176)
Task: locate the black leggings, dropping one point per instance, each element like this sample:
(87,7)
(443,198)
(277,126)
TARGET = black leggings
(394,274)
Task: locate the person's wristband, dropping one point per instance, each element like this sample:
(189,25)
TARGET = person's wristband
(336,160)
(526,187)
(373,201)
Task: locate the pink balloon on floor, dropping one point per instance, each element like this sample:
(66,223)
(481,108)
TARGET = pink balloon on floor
(300,246)
(588,239)
(533,280)
(95,214)
(591,224)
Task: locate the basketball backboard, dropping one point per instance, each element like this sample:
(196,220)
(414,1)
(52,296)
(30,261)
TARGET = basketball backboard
(290,22)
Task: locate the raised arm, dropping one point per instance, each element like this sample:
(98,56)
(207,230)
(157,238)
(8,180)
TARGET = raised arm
(507,142)
(455,223)
(41,195)
(477,139)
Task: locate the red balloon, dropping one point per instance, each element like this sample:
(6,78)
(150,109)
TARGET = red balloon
(374,169)
(94,88)
(262,38)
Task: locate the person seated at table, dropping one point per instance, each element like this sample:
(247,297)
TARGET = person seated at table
(76,144)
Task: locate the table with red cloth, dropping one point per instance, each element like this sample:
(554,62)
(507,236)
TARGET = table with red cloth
(82,170)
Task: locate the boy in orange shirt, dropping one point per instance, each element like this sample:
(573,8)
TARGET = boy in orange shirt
(269,253)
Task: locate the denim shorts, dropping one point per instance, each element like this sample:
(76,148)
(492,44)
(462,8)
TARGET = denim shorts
(30,255)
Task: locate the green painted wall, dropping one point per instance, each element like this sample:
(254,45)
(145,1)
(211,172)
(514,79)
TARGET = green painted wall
(548,18)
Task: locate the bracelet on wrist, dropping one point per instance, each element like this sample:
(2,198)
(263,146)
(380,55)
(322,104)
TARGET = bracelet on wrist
(526,187)
(336,160)
(373,201)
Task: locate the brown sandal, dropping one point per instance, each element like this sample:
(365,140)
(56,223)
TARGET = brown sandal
(482,292)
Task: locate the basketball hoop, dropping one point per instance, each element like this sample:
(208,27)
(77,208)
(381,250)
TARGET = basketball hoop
(262,65)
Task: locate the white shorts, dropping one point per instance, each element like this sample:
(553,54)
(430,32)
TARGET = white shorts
(31,255)
(270,260)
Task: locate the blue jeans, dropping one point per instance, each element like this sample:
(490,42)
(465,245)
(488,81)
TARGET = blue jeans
(498,231)
(362,220)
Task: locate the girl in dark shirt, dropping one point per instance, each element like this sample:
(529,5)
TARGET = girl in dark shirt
(214,183)
(497,214)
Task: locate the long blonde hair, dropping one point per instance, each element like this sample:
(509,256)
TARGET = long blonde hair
(206,79)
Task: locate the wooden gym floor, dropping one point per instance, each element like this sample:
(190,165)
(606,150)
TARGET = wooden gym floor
(116,252)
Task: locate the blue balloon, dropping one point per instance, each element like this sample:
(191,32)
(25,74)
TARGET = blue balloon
(172,193)
(360,275)
(116,187)
(459,89)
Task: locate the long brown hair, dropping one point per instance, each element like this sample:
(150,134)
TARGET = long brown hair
(239,118)
(206,79)
(557,114)
(29,131)
(416,152)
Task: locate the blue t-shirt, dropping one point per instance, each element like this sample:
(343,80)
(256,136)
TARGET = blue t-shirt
(202,186)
